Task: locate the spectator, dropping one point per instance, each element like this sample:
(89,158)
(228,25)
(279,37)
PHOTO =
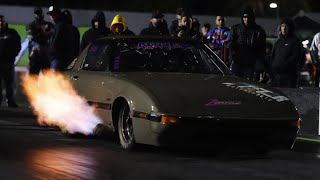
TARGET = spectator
(175,23)
(266,77)
(39,33)
(195,26)
(61,48)
(157,26)
(286,56)
(218,35)
(98,30)
(315,55)
(204,32)
(185,30)
(119,26)
(10,45)
(76,34)
(247,43)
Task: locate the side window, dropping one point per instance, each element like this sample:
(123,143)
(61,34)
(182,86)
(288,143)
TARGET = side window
(97,58)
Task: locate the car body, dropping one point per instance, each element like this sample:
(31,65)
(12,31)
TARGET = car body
(164,91)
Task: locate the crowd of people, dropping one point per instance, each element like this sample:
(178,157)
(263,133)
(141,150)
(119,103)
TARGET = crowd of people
(242,47)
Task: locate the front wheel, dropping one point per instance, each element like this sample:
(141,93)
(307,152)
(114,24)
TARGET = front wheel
(125,128)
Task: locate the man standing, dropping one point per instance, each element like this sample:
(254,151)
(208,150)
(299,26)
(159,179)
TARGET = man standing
(315,55)
(98,30)
(248,41)
(39,32)
(61,47)
(185,30)
(75,31)
(286,56)
(157,26)
(175,23)
(10,45)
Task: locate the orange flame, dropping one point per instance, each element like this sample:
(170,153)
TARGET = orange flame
(56,103)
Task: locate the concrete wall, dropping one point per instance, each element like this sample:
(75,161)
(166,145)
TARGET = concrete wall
(136,21)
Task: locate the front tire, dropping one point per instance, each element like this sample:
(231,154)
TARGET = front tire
(125,128)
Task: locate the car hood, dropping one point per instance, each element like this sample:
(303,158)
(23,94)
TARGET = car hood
(214,96)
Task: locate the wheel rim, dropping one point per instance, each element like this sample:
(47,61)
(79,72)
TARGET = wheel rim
(127,128)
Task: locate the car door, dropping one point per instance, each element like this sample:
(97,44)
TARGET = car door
(91,78)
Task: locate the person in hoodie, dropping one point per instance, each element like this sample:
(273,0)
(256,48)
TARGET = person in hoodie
(61,47)
(10,45)
(247,44)
(98,30)
(157,26)
(39,33)
(75,31)
(286,56)
(119,27)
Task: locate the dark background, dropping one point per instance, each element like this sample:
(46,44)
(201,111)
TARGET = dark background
(222,7)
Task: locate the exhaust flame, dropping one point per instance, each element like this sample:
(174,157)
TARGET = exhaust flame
(56,103)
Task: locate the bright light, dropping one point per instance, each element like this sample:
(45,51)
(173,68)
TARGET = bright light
(56,103)
(305,43)
(273,5)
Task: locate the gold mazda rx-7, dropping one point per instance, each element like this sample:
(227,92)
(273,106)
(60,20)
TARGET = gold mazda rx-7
(171,91)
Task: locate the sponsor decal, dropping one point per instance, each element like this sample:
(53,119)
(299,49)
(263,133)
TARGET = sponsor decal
(257,91)
(217,102)
(162,45)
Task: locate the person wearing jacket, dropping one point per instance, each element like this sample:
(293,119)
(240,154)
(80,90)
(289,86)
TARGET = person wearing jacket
(75,31)
(61,48)
(286,56)
(219,34)
(10,45)
(175,23)
(247,43)
(119,27)
(185,28)
(157,26)
(39,33)
(315,55)
(98,30)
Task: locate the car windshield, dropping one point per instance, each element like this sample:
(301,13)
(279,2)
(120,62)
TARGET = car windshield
(180,57)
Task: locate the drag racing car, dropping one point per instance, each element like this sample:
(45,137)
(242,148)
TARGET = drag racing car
(170,91)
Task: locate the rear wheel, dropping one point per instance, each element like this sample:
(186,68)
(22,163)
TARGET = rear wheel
(125,128)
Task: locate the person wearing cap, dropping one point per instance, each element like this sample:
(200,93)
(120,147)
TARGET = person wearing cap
(247,43)
(157,25)
(119,27)
(175,23)
(75,31)
(287,56)
(98,30)
(61,48)
(10,45)
(39,33)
